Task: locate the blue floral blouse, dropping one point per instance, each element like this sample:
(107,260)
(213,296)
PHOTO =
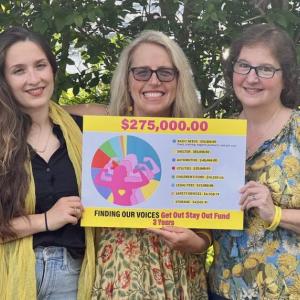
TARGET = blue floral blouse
(257,263)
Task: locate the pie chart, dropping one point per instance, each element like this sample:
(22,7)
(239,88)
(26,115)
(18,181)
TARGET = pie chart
(126,170)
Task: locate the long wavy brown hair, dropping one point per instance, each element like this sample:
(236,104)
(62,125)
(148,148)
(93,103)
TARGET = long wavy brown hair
(14,128)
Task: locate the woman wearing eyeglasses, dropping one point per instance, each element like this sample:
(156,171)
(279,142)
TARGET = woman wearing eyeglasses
(153,78)
(262,261)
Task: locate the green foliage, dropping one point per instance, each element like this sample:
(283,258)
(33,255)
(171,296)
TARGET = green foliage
(99,29)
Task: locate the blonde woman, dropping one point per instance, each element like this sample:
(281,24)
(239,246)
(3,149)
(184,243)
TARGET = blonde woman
(153,78)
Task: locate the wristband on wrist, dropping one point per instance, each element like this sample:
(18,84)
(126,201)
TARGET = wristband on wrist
(276,219)
(46,222)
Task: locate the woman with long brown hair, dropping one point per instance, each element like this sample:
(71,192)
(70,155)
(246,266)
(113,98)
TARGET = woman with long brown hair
(42,246)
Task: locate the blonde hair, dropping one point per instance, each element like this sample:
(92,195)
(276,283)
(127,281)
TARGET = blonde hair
(186,103)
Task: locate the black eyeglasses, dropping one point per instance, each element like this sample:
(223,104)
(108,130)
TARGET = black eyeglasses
(145,73)
(263,71)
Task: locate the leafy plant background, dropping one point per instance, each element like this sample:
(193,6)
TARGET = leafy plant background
(88,35)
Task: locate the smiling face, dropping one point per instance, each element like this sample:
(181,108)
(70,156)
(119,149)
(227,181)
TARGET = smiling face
(29,75)
(152,97)
(251,90)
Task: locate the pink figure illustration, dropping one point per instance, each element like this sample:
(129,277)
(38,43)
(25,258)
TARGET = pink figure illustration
(137,195)
(125,179)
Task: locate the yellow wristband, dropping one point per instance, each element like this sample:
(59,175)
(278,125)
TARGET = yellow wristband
(274,224)
(276,219)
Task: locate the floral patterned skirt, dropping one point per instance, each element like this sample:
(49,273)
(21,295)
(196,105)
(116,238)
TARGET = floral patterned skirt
(135,264)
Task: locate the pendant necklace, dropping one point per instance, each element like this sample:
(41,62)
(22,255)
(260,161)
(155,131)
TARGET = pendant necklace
(43,150)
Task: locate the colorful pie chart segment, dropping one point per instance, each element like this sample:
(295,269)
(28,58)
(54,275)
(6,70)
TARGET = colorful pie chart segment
(126,170)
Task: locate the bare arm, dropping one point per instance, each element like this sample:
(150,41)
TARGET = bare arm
(67,210)
(290,219)
(258,196)
(87,109)
(183,239)
(25,226)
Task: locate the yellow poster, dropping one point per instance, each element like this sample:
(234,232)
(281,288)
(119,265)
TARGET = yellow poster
(153,172)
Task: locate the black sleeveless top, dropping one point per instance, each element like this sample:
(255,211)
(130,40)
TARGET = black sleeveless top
(53,180)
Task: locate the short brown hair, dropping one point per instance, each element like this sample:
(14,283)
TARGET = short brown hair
(282,47)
